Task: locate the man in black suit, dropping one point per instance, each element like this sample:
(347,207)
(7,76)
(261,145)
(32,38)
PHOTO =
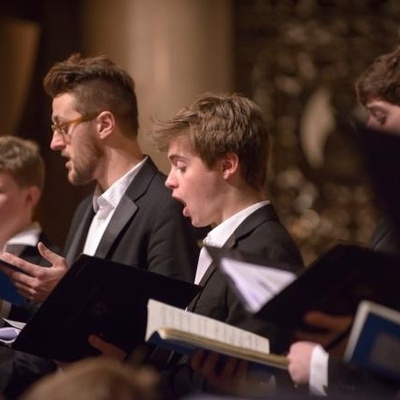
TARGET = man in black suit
(218,149)
(378,91)
(131,218)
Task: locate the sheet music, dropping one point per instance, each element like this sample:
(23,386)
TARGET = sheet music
(255,284)
(162,315)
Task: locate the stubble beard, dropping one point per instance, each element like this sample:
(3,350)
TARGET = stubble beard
(84,167)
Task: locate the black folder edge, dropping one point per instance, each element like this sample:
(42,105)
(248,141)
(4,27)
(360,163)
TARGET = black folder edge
(334,283)
(60,327)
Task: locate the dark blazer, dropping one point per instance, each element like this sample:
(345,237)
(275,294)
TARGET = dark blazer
(345,380)
(147,229)
(261,234)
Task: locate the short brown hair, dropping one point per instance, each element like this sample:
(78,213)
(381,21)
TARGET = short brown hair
(96,378)
(22,159)
(98,84)
(219,124)
(381,80)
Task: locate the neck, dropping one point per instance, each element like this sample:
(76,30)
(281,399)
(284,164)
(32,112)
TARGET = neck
(117,162)
(6,236)
(239,200)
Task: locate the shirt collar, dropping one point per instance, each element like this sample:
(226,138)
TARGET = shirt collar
(112,196)
(221,233)
(28,237)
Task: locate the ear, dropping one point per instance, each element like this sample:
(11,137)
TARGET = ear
(32,196)
(105,124)
(230,165)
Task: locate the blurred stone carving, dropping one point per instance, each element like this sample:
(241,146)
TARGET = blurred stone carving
(299,61)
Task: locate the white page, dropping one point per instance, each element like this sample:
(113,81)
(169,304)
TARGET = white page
(15,324)
(161,315)
(255,284)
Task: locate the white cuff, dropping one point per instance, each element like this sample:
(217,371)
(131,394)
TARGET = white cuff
(319,371)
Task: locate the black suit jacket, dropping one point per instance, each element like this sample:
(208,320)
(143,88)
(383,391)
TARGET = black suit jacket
(147,229)
(345,380)
(261,234)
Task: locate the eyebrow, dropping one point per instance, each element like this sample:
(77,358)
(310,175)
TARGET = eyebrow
(176,157)
(376,107)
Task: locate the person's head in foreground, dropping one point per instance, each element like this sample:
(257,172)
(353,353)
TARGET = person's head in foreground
(97,378)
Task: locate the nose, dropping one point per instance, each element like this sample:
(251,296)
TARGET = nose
(57,141)
(170,182)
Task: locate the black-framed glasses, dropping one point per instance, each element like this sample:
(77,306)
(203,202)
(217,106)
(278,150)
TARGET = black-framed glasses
(63,127)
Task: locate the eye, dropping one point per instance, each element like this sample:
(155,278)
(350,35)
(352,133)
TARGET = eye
(181,167)
(380,118)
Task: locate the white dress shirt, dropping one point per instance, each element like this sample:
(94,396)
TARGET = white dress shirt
(218,236)
(105,205)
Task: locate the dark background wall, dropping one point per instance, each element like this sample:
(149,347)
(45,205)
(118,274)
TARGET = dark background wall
(299,60)
(59,35)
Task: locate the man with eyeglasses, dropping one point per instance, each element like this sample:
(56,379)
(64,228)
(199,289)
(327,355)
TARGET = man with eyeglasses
(131,218)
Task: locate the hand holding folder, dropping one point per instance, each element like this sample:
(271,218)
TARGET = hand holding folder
(99,297)
(335,283)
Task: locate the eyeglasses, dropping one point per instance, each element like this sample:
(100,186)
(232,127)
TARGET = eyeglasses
(63,128)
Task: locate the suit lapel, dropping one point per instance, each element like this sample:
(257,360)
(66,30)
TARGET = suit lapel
(124,212)
(127,207)
(78,241)
(257,218)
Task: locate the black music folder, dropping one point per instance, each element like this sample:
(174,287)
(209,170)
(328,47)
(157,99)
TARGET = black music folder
(99,297)
(335,283)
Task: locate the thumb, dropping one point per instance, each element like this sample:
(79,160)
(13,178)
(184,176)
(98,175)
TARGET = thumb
(48,254)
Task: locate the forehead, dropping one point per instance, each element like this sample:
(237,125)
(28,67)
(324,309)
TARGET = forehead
(180,146)
(63,103)
(377,105)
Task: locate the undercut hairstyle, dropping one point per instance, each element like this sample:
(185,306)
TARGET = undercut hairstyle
(217,125)
(98,84)
(22,159)
(381,80)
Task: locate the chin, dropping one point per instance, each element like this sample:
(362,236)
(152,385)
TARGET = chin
(198,224)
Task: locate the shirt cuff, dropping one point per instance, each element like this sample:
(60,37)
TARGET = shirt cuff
(319,371)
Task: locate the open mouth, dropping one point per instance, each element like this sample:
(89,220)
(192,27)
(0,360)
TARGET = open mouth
(185,211)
